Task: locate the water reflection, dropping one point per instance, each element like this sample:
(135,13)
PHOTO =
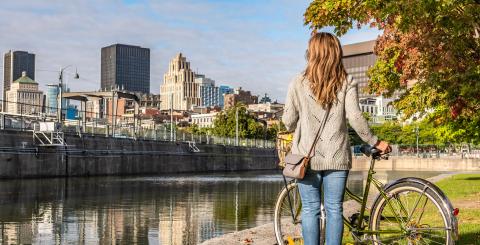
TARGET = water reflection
(184,209)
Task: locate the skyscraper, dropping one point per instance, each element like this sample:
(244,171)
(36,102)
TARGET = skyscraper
(357,59)
(179,84)
(14,63)
(208,91)
(125,67)
(51,100)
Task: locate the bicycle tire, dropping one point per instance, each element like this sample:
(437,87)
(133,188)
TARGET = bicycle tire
(405,189)
(279,206)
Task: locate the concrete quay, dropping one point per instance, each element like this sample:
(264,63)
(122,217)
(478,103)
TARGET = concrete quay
(101,156)
(411,163)
(97,156)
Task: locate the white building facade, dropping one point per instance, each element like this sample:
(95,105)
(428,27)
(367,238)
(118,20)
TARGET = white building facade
(24,96)
(379,108)
(266,107)
(204,120)
(179,89)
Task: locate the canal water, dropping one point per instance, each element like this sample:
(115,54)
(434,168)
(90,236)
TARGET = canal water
(180,209)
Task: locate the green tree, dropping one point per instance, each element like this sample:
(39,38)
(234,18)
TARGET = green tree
(389,131)
(434,43)
(195,129)
(395,133)
(275,129)
(353,136)
(367,116)
(248,125)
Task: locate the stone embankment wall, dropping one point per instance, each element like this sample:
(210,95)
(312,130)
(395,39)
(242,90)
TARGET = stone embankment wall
(418,164)
(93,156)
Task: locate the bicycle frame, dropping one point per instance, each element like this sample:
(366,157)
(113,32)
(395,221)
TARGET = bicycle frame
(358,227)
(288,196)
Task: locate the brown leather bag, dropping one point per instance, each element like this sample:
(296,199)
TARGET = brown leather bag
(295,164)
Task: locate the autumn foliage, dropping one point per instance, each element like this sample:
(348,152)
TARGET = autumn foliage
(429,53)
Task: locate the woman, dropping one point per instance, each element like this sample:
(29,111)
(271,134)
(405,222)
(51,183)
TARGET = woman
(325,84)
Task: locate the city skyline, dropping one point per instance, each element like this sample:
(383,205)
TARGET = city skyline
(258,46)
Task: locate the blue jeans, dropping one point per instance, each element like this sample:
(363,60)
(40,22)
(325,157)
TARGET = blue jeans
(334,188)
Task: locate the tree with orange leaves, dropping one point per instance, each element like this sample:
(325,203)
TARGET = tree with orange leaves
(434,45)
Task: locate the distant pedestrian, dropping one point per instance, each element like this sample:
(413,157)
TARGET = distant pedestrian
(325,84)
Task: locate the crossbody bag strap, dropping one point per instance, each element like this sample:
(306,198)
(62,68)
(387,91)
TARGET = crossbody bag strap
(320,130)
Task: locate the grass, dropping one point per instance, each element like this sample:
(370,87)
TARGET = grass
(463,190)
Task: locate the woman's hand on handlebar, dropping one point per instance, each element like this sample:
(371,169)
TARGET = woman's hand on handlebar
(383,146)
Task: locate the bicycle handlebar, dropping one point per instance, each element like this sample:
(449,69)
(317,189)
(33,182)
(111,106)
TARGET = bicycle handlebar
(375,153)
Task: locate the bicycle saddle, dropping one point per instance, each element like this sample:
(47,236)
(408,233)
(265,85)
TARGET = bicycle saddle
(369,150)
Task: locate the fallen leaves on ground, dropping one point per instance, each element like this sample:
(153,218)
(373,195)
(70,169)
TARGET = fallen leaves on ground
(248,240)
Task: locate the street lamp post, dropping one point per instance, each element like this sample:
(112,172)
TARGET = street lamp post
(236,126)
(416,132)
(60,93)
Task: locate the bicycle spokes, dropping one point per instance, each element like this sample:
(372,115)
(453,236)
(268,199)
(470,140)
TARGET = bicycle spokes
(411,216)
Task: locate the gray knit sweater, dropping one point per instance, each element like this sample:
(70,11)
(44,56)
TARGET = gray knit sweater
(304,114)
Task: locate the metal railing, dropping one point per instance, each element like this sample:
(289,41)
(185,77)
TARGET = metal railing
(117,126)
(48,138)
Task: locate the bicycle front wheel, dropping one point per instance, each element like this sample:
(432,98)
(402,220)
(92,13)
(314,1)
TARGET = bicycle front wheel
(410,213)
(287,216)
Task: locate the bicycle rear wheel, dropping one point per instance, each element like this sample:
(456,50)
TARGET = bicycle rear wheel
(411,213)
(287,216)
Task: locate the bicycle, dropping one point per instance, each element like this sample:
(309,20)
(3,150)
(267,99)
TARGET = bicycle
(407,211)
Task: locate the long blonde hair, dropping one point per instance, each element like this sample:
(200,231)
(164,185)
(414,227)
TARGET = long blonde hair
(325,71)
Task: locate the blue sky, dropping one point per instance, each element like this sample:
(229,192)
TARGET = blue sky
(258,45)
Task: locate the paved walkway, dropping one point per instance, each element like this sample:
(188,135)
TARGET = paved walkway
(264,234)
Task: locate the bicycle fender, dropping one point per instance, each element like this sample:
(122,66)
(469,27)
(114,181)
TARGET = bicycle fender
(445,201)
